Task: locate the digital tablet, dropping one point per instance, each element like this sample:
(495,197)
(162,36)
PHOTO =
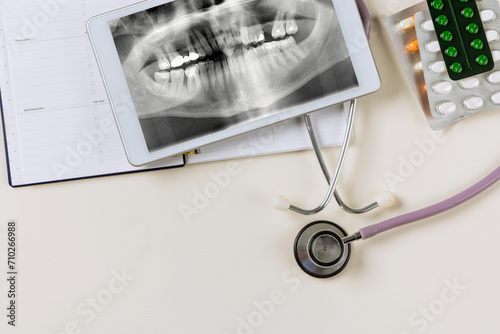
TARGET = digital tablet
(182,74)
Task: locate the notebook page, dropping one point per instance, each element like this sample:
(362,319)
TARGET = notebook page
(59,123)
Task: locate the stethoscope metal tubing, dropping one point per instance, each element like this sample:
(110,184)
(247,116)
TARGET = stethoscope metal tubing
(340,163)
(319,155)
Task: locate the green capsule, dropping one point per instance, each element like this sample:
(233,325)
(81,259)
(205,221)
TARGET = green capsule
(442,20)
(482,60)
(468,13)
(456,67)
(451,52)
(477,44)
(447,36)
(437,4)
(473,28)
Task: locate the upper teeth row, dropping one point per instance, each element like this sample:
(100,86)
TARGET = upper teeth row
(226,42)
(284,23)
(175,60)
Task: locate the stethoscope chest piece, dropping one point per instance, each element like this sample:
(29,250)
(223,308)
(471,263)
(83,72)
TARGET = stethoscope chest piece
(320,251)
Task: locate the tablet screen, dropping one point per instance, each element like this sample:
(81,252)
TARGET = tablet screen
(194,68)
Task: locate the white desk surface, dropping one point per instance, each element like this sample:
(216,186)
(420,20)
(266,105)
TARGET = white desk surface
(231,268)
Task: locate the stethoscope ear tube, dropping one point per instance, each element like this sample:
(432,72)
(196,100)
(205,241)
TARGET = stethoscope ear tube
(448,204)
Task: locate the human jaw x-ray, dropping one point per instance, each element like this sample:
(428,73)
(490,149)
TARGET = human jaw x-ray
(203,59)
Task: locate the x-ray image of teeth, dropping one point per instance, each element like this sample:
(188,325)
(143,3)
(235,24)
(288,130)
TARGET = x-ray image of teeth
(198,67)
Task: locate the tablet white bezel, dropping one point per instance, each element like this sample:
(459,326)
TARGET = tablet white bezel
(129,124)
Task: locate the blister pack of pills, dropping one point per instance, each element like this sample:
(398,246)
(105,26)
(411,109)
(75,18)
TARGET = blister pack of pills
(401,29)
(452,100)
(461,36)
(443,100)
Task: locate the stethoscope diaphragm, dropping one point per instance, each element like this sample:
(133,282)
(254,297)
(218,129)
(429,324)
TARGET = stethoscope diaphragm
(320,251)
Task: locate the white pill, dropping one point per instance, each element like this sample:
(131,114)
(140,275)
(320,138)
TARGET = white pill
(495,98)
(438,67)
(433,47)
(442,87)
(419,67)
(446,108)
(487,15)
(428,26)
(406,24)
(492,35)
(473,102)
(469,83)
(496,55)
(494,77)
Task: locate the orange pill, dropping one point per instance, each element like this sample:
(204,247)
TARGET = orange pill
(412,46)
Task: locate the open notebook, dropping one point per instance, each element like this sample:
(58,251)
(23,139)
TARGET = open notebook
(58,123)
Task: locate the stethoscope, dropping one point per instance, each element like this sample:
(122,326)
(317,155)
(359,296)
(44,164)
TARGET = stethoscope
(322,248)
